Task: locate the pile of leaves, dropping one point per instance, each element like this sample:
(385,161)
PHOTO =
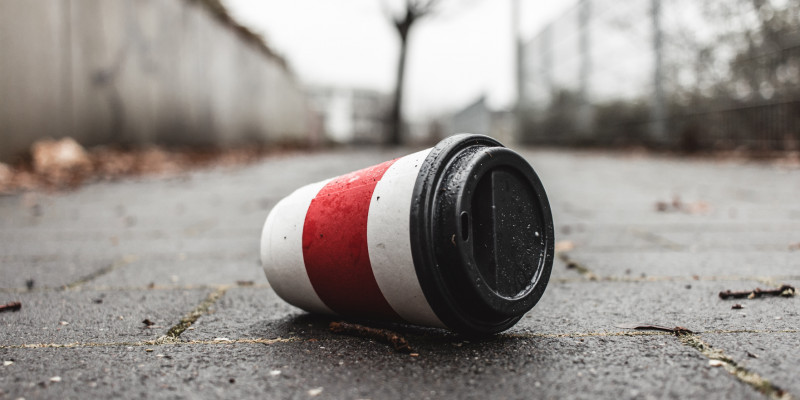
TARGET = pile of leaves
(65,164)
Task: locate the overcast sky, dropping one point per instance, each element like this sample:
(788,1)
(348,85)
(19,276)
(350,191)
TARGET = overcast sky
(461,52)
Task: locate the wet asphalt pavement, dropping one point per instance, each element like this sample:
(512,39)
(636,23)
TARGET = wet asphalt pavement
(642,240)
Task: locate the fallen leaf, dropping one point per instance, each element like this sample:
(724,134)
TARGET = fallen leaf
(13,306)
(677,330)
(698,207)
(716,363)
(64,163)
(6,175)
(676,205)
(49,155)
(564,245)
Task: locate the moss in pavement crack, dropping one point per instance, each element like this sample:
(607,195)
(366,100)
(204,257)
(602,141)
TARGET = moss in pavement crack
(190,318)
(100,272)
(742,374)
(582,269)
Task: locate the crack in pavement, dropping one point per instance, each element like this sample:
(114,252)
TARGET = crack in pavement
(769,281)
(765,280)
(125,260)
(106,288)
(146,343)
(582,269)
(161,342)
(718,358)
(657,239)
(190,318)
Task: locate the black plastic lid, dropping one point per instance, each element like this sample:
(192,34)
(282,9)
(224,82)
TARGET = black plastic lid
(481,234)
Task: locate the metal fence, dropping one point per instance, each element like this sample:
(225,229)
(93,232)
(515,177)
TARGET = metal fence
(714,74)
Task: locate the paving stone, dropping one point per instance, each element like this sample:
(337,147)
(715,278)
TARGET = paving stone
(567,307)
(683,264)
(223,259)
(602,306)
(180,270)
(245,312)
(732,225)
(345,367)
(35,250)
(605,238)
(773,356)
(94,316)
(736,241)
(50,272)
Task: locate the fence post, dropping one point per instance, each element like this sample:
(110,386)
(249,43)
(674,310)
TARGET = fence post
(658,130)
(519,108)
(586,111)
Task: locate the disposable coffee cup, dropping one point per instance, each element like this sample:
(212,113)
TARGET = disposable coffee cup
(458,236)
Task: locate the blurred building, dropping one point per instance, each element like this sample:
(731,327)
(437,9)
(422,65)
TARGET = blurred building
(479,118)
(351,115)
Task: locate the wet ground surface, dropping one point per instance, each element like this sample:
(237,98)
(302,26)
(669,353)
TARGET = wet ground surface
(643,240)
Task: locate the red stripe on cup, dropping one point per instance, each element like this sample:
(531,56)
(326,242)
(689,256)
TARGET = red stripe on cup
(335,247)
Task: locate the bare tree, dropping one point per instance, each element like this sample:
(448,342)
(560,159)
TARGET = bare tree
(403,21)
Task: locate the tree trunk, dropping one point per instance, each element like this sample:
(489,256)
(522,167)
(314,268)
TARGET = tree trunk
(396,116)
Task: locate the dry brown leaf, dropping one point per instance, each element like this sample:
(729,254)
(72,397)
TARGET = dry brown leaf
(52,155)
(564,245)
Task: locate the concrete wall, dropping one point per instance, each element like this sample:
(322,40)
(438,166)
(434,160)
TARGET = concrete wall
(137,71)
